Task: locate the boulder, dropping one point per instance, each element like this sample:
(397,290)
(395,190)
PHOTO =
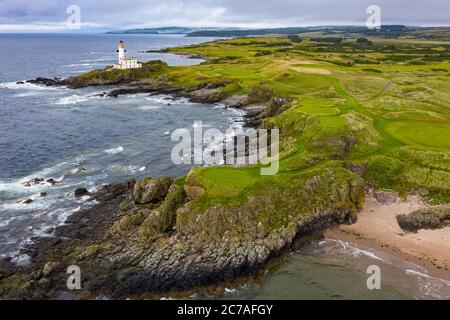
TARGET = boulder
(80,192)
(33,182)
(45,81)
(385,197)
(53,181)
(207,96)
(151,190)
(427,218)
(111,191)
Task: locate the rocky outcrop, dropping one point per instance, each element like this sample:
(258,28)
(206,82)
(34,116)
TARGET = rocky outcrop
(428,218)
(81,192)
(207,95)
(385,197)
(151,190)
(44,81)
(235,101)
(173,242)
(259,94)
(159,235)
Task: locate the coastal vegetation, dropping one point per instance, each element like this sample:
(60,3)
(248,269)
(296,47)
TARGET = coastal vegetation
(392,118)
(353,113)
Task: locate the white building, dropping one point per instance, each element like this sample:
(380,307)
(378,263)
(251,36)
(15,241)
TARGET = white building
(124,62)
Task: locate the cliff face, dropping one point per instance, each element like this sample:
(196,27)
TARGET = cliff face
(154,236)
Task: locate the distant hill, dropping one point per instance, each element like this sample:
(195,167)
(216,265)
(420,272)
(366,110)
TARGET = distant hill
(162,30)
(165,30)
(387,30)
(394,31)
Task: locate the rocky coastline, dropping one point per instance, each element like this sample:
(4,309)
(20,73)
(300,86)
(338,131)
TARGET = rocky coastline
(117,264)
(148,238)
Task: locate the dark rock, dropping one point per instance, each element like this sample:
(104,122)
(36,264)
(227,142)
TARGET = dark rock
(428,218)
(28,201)
(33,182)
(112,191)
(43,194)
(81,192)
(45,81)
(53,181)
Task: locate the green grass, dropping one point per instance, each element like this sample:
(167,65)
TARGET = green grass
(384,105)
(321,111)
(422,135)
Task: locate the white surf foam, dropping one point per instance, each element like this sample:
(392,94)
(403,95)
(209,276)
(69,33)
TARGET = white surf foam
(145,108)
(39,203)
(71,100)
(351,249)
(6,222)
(429,286)
(116,150)
(27,86)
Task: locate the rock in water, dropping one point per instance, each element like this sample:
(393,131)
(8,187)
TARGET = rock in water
(53,181)
(45,81)
(33,182)
(80,192)
(151,190)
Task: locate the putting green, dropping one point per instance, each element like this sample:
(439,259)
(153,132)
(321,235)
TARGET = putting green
(422,134)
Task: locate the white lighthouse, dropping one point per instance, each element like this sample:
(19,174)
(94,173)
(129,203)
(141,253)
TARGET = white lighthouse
(124,62)
(121,51)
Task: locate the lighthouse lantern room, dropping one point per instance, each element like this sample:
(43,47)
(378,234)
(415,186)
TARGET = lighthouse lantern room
(124,62)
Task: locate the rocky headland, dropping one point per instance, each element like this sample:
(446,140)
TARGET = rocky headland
(163,235)
(157,236)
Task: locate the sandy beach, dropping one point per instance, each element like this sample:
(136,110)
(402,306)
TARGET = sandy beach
(377,227)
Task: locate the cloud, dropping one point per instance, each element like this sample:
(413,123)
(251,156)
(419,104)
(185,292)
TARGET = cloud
(51,14)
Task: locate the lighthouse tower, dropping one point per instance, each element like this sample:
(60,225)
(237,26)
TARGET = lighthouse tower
(124,62)
(121,51)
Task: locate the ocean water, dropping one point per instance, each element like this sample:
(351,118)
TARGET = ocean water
(51,133)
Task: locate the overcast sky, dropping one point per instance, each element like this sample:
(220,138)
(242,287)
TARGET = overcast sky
(50,15)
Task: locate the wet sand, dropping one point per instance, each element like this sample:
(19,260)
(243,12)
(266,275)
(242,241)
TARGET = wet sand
(377,227)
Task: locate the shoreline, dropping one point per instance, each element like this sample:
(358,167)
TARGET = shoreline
(129,246)
(377,228)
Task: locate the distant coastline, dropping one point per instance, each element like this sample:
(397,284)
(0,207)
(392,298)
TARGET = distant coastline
(389,31)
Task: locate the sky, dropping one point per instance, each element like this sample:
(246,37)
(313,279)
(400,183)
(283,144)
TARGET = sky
(102,15)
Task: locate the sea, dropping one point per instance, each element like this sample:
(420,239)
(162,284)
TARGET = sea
(80,139)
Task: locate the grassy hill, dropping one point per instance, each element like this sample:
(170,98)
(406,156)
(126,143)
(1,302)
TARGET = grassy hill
(383,105)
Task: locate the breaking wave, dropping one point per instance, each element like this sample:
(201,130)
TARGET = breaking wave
(116,150)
